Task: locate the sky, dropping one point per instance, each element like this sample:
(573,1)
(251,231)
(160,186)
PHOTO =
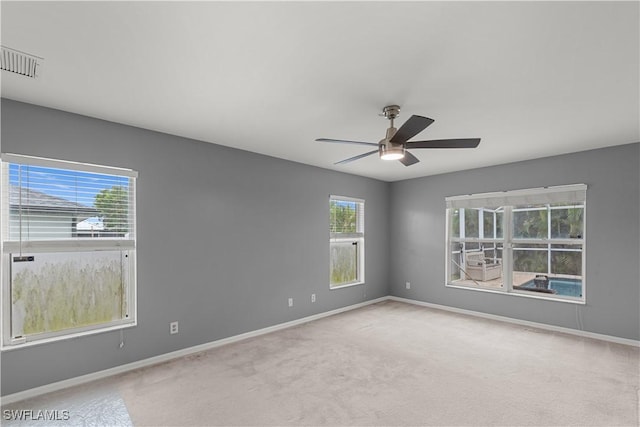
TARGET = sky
(75,186)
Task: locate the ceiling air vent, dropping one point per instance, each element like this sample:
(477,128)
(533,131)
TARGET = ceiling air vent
(21,63)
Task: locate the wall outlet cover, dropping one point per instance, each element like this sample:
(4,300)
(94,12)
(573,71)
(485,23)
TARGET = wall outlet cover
(173,328)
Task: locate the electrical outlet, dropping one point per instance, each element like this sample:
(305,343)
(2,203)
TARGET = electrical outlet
(313,297)
(290,302)
(173,328)
(408,285)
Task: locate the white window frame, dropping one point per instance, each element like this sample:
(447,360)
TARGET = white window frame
(510,200)
(356,239)
(127,247)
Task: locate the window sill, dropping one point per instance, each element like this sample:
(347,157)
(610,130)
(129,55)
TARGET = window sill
(579,301)
(70,336)
(347,285)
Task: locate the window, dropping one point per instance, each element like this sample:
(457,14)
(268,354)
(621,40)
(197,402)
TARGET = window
(527,242)
(346,241)
(68,249)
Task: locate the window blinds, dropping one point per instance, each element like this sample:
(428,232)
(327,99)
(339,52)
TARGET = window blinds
(575,193)
(346,217)
(50,200)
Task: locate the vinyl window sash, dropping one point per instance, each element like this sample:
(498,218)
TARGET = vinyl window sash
(356,238)
(359,244)
(575,194)
(15,247)
(7,159)
(69,245)
(129,293)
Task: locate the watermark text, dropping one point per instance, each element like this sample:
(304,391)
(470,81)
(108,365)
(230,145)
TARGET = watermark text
(35,415)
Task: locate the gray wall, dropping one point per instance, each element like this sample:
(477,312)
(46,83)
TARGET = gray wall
(612,249)
(224,238)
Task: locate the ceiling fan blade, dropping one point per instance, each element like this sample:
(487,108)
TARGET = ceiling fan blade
(344,141)
(445,143)
(359,156)
(413,126)
(409,159)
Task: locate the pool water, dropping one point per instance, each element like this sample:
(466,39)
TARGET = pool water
(565,287)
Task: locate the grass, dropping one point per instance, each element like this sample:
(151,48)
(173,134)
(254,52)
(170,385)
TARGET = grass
(54,296)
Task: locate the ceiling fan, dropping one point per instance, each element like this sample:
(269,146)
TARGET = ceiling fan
(395,144)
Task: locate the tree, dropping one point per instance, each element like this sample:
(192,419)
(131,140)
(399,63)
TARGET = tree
(113,204)
(343,217)
(471,223)
(530,224)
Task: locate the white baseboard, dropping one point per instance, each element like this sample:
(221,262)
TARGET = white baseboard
(37,391)
(585,334)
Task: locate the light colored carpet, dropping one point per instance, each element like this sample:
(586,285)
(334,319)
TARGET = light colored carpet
(392,364)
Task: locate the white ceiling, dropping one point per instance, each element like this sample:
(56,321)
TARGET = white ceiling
(530,79)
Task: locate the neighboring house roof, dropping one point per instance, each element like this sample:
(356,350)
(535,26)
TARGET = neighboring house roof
(37,201)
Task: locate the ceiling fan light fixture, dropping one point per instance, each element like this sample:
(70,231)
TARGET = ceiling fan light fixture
(391,151)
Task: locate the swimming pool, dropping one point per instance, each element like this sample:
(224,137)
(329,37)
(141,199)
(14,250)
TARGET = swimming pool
(565,287)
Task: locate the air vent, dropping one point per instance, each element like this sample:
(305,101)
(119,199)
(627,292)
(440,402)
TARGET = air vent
(21,63)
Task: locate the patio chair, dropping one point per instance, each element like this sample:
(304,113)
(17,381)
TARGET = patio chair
(480,268)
